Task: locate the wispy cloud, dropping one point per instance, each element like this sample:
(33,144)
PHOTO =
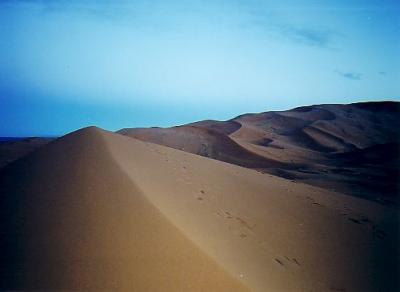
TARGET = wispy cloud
(272,24)
(159,13)
(307,36)
(349,75)
(303,35)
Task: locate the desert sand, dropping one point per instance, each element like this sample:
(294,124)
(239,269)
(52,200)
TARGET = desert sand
(352,148)
(98,210)
(13,149)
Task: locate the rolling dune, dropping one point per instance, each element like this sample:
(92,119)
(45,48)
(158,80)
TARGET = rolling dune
(98,210)
(72,220)
(302,144)
(13,149)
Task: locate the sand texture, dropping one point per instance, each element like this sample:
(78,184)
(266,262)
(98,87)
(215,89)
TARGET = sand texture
(11,150)
(98,210)
(72,219)
(354,149)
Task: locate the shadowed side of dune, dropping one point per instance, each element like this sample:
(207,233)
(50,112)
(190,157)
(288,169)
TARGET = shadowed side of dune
(301,144)
(11,150)
(224,127)
(71,219)
(205,142)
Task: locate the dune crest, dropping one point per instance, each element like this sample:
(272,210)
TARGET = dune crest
(302,144)
(98,210)
(71,219)
(274,234)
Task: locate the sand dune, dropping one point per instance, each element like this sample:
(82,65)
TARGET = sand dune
(96,210)
(13,149)
(205,142)
(302,144)
(71,219)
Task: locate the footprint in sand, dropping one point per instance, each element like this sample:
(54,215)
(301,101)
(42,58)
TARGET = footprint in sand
(217,213)
(287,262)
(200,198)
(279,262)
(293,261)
(245,224)
(228,215)
(354,220)
(312,200)
(378,233)
(360,219)
(365,219)
(309,198)
(237,232)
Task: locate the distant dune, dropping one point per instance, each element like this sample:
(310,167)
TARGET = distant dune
(321,145)
(98,210)
(12,149)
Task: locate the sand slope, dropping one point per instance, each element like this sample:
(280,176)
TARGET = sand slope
(71,219)
(11,150)
(275,235)
(97,210)
(205,142)
(302,144)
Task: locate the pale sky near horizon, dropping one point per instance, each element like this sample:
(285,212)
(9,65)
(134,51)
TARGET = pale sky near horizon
(69,64)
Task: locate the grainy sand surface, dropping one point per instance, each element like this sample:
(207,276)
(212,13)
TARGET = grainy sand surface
(98,210)
(353,148)
(72,219)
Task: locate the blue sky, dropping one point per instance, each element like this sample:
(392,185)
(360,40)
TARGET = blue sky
(69,64)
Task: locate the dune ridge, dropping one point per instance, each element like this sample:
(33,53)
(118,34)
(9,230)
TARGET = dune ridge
(13,149)
(301,144)
(99,210)
(274,234)
(72,220)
